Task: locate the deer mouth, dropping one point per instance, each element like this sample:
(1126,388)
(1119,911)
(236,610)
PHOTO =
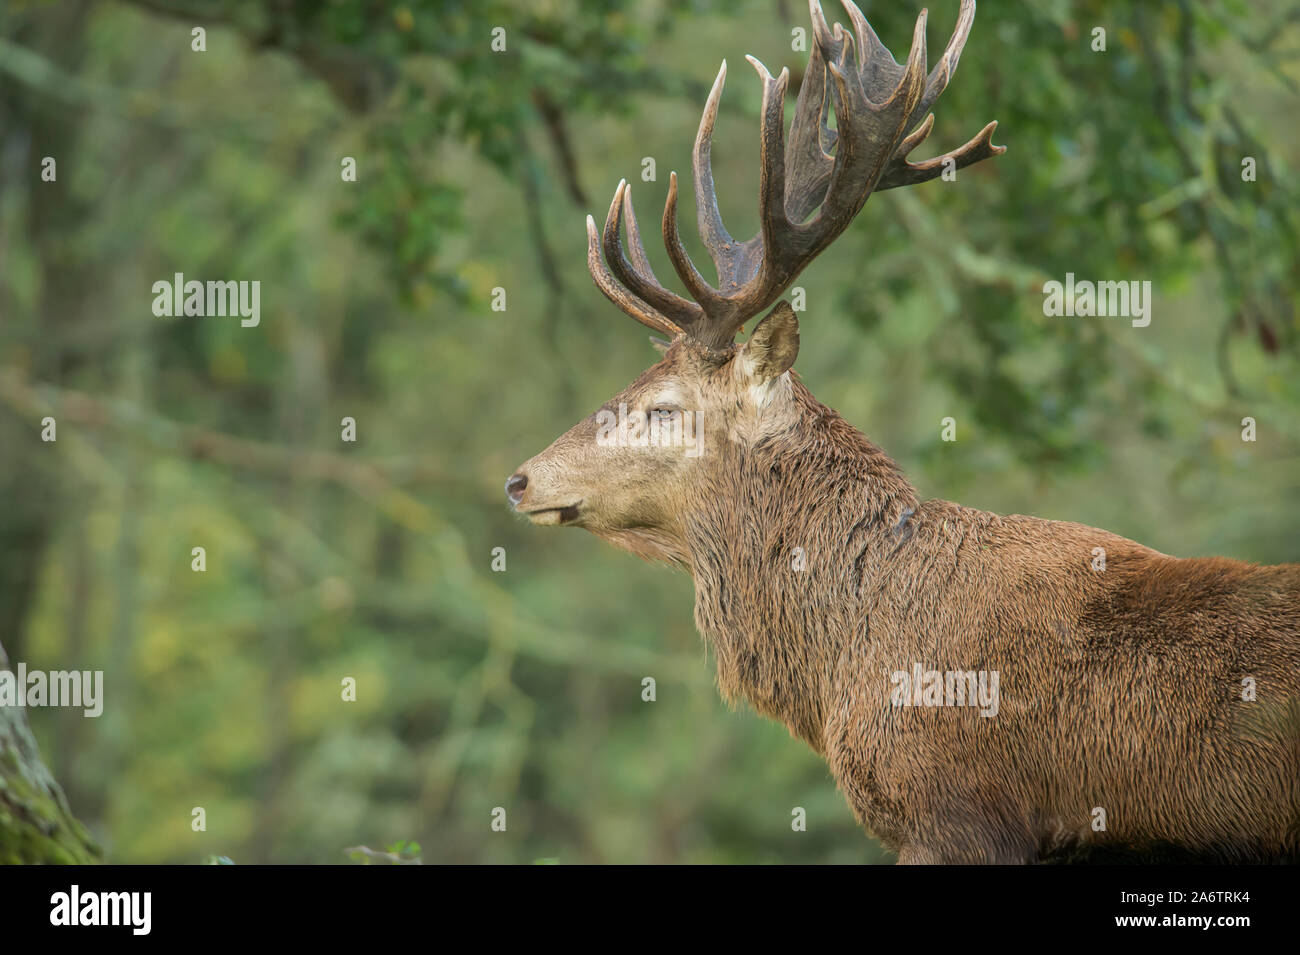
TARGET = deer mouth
(553,515)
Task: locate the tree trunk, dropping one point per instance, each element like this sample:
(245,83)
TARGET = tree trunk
(36,825)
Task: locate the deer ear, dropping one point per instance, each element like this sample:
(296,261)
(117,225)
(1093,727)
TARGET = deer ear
(773,347)
(660,345)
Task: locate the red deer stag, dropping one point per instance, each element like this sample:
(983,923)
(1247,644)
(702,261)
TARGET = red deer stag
(1101,697)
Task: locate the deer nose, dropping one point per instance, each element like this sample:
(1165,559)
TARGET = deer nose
(515,488)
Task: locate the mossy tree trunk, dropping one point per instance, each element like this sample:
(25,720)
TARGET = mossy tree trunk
(36,825)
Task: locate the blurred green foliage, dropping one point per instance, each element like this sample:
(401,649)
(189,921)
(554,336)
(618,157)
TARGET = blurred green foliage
(326,560)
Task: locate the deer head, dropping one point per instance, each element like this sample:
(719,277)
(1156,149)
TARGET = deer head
(629,471)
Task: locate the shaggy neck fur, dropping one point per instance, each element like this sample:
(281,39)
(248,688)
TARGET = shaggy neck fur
(787,543)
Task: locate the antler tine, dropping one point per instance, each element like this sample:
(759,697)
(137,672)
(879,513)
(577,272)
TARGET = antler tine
(774,225)
(879,71)
(738,263)
(635,247)
(938,79)
(637,275)
(808,162)
(712,231)
(734,261)
(903,173)
(700,290)
(625,300)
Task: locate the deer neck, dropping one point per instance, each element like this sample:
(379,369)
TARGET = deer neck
(785,549)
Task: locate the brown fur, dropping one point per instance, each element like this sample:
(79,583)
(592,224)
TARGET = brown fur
(1120,689)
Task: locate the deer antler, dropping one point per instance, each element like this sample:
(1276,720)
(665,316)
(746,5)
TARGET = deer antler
(878,107)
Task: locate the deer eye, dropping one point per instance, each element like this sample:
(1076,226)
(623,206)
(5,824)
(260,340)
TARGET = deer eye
(663,413)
